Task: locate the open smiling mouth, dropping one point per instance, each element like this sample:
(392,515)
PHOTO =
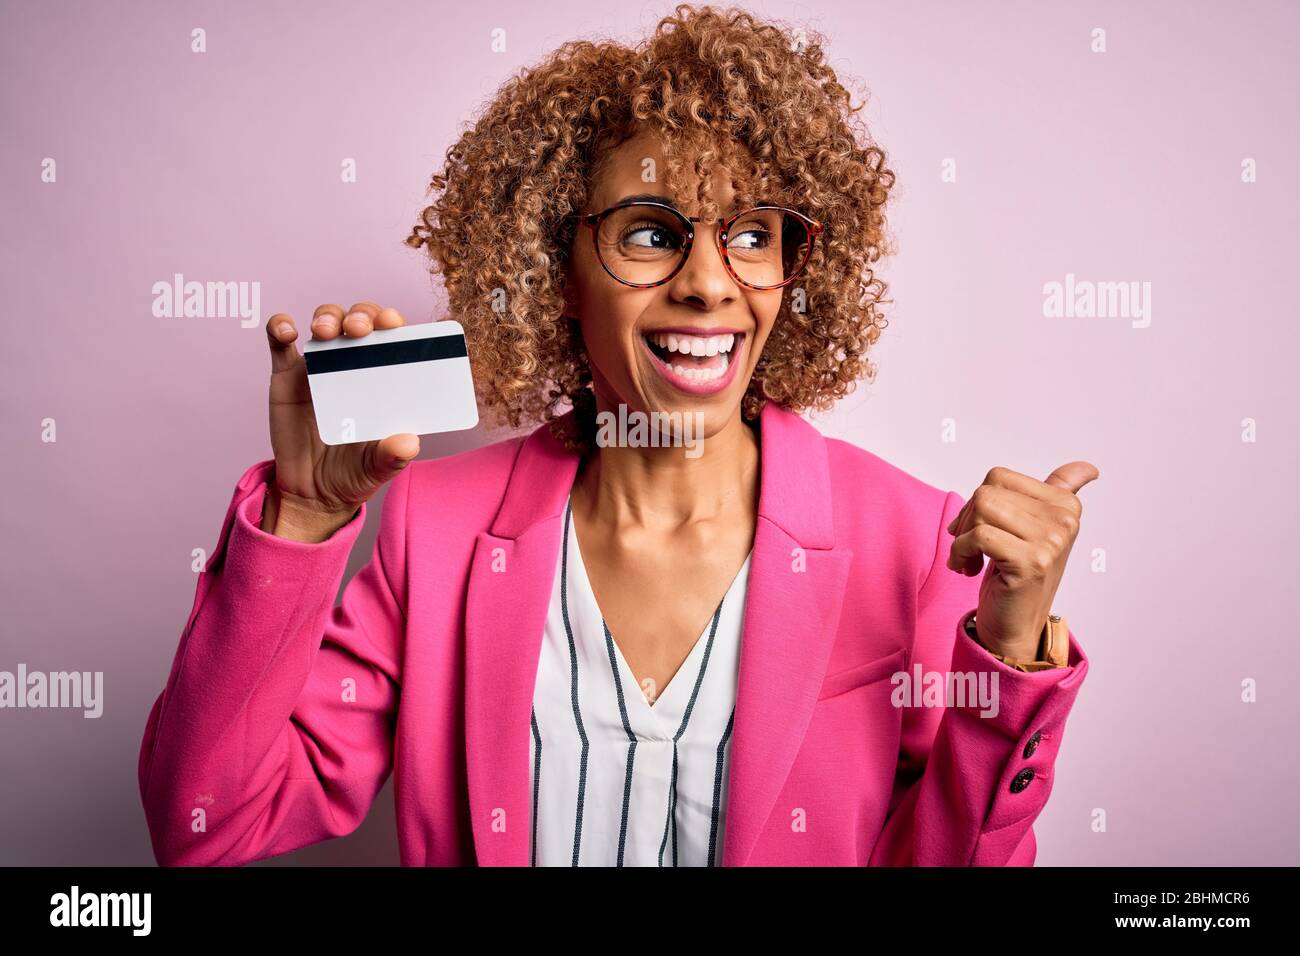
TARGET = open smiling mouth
(696,363)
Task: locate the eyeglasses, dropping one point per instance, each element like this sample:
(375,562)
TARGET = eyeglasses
(644,244)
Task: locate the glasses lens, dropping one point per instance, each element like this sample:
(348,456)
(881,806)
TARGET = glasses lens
(641,244)
(767,246)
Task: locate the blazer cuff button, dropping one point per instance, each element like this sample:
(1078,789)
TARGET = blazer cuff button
(1021,780)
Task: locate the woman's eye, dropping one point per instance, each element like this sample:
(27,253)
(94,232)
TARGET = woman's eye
(751,239)
(649,237)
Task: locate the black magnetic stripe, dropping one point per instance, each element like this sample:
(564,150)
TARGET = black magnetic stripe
(671,823)
(321,361)
(631,737)
(573,686)
(717,787)
(537,779)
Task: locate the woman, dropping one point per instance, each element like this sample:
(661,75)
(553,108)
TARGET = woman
(588,645)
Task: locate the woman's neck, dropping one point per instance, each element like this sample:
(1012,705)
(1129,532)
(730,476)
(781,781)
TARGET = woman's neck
(663,489)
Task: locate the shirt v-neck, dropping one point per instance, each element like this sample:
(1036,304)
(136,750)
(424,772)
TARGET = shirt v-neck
(666,719)
(614,781)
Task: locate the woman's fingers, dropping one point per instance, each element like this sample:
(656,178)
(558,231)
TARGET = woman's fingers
(1052,497)
(360,319)
(1001,506)
(968,550)
(332,320)
(281,334)
(1018,559)
(389,319)
(327,321)
(1017,518)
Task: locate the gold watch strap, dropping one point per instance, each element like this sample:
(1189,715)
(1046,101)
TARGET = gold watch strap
(1053,646)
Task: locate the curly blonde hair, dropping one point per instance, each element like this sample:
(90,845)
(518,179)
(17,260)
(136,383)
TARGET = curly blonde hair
(709,82)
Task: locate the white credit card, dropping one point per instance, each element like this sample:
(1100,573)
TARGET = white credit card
(415,378)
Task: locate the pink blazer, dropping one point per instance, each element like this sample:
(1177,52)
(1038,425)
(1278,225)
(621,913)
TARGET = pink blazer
(284,714)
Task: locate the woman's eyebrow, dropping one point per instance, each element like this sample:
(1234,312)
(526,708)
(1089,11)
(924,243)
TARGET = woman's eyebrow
(666,200)
(650,197)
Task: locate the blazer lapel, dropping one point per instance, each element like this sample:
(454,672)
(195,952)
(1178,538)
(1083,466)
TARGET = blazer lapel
(792,609)
(509,590)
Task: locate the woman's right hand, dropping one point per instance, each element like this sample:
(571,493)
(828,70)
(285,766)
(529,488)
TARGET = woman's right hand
(318,488)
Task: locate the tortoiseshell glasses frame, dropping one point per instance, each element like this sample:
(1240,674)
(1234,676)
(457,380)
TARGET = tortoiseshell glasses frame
(594,220)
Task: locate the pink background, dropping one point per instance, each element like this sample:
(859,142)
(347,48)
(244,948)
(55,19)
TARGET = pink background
(1122,166)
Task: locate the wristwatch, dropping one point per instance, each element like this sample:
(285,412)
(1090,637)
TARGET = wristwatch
(1053,646)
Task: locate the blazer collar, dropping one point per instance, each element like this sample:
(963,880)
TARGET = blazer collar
(792,607)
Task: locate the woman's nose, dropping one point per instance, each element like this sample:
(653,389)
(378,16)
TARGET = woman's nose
(705,275)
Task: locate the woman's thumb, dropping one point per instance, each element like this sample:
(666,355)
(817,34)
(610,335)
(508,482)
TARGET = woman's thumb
(393,454)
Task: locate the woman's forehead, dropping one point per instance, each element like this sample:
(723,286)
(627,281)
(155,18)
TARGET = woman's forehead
(637,168)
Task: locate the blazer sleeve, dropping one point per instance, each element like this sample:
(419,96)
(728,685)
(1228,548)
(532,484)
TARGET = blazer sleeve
(275,728)
(971,779)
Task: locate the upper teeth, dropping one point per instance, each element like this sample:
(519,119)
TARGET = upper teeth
(693,344)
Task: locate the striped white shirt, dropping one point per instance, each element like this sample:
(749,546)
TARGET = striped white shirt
(614,780)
